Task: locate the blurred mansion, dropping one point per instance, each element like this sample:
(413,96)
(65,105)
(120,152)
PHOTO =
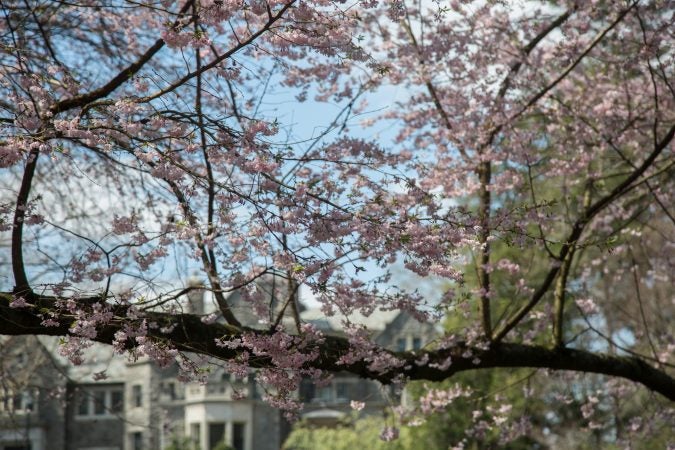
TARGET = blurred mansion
(47,403)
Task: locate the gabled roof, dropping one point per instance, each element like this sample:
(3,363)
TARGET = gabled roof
(376,321)
(97,359)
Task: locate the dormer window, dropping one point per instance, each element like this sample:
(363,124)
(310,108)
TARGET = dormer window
(408,342)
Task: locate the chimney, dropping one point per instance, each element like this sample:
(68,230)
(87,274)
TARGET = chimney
(196,296)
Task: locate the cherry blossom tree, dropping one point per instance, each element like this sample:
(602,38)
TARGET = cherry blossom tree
(521,151)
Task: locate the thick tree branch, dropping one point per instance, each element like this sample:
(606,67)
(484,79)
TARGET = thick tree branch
(561,283)
(191,335)
(484,175)
(21,285)
(559,300)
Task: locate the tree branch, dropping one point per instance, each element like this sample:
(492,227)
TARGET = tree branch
(578,229)
(515,67)
(21,285)
(220,58)
(484,175)
(574,63)
(119,79)
(191,335)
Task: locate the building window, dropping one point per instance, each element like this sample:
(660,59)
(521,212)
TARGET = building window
(324,394)
(116,402)
(137,395)
(239,436)
(341,391)
(137,441)
(416,343)
(99,401)
(83,403)
(195,432)
(216,435)
(22,402)
(401,344)
(169,391)
(98,448)
(171,387)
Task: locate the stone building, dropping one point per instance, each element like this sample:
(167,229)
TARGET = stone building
(48,404)
(56,406)
(328,404)
(31,414)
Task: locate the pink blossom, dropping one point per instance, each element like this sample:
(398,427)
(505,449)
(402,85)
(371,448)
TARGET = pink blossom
(389,434)
(356,405)
(210,318)
(587,305)
(19,302)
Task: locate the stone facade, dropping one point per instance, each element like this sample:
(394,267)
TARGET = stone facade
(55,406)
(47,404)
(29,411)
(327,405)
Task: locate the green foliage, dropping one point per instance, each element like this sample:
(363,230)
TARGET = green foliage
(438,431)
(223,446)
(448,428)
(185,443)
(363,433)
(182,443)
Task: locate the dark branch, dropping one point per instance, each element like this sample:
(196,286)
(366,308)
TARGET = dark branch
(21,285)
(626,185)
(123,76)
(191,335)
